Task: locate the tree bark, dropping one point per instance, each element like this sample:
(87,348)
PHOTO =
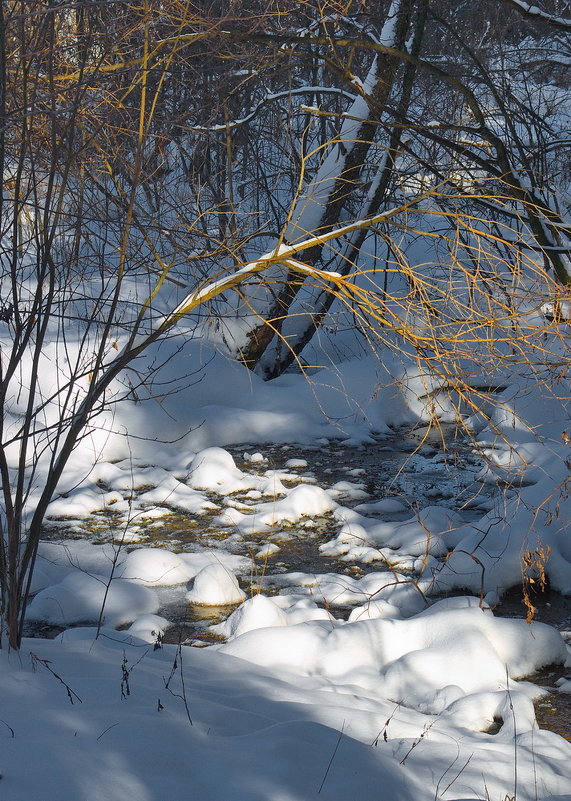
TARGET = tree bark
(346,186)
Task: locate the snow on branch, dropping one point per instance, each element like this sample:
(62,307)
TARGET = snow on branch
(270,98)
(536,13)
(283,254)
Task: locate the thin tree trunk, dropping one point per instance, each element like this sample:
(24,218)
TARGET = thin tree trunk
(322,208)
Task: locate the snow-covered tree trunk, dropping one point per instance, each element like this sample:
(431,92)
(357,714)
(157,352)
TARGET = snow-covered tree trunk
(308,315)
(325,199)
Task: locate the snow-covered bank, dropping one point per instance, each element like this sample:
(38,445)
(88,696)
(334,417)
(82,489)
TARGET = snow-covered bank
(336,685)
(526,444)
(111,719)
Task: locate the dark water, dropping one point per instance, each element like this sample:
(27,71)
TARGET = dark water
(553,712)
(418,468)
(421,468)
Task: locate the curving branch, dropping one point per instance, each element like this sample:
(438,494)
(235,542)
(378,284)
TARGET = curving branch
(270,98)
(537,14)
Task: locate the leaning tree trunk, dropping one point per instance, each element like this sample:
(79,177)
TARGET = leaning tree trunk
(286,349)
(335,186)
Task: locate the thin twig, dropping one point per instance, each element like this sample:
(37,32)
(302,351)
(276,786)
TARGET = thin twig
(512,710)
(177,665)
(331,760)
(46,663)
(416,742)
(107,729)
(8,727)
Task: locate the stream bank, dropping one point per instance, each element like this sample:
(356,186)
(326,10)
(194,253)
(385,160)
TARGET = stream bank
(391,480)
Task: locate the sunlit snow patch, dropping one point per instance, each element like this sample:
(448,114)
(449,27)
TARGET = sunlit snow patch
(215,585)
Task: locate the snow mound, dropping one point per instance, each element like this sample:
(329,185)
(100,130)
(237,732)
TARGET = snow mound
(423,535)
(149,628)
(155,566)
(262,612)
(302,501)
(256,613)
(427,662)
(80,598)
(214,469)
(215,585)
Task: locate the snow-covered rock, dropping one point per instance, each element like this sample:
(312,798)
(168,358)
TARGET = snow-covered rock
(215,585)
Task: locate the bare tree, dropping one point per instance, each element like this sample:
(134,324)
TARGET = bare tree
(131,203)
(434,104)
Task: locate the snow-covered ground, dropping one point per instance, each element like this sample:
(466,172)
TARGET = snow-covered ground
(400,697)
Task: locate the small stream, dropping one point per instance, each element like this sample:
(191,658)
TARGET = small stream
(417,468)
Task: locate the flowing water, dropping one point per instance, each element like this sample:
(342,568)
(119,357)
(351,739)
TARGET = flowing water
(419,468)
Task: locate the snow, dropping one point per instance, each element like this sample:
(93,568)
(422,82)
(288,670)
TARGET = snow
(419,536)
(155,566)
(215,469)
(81,597)
(215,585)
(296,464)
(323,685)
(336,682)
(267,550)
(282,712)
(301,501)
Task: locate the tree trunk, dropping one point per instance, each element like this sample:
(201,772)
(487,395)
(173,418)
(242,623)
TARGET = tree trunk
(336,184)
